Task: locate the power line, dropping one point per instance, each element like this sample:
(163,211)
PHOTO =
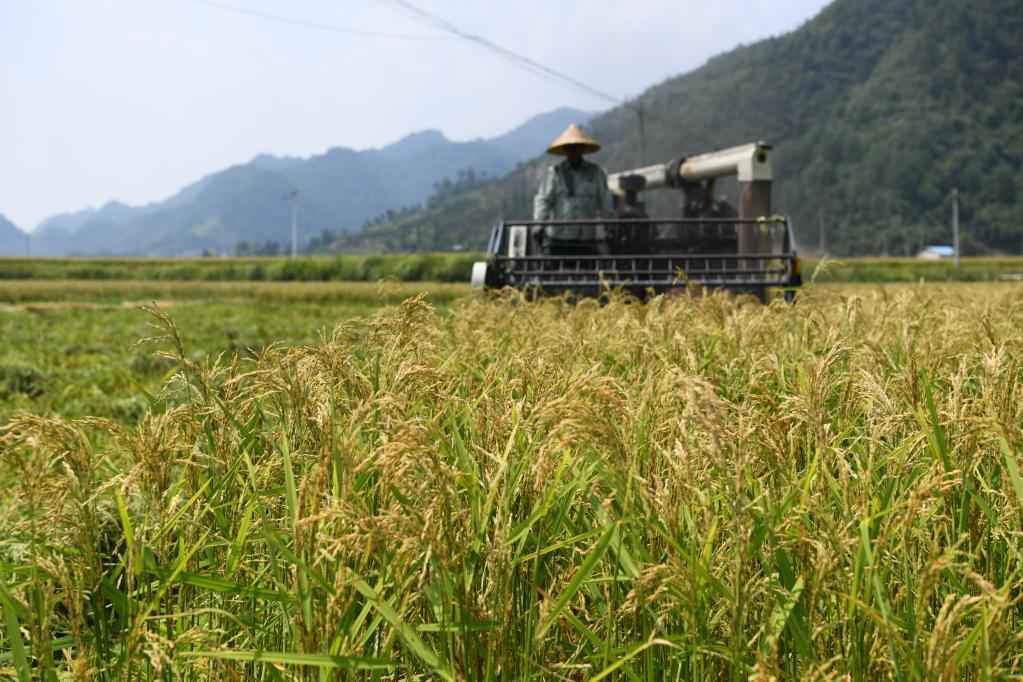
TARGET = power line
(303,23)
(504,52)
(644,115)
(530,64)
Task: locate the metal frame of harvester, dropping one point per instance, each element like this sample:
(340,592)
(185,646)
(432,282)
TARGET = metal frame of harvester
(711,246)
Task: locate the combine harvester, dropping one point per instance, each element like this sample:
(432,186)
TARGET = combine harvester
(710,245)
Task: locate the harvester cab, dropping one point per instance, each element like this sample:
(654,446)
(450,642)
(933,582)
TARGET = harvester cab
(710,244)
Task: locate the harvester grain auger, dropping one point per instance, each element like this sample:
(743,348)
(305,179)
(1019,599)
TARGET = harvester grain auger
(710,244)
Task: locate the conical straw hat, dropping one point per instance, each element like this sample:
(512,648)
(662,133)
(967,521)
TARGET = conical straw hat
(573,135)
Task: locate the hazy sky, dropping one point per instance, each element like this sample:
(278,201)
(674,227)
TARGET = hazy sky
(132,99)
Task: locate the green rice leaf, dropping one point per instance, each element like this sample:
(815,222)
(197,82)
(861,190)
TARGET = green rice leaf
(288,658)
(936,434)
(407,633)
(631,654)
(126,526)
(1012,466)
(580,577)
(783,611)
(221,586)
(15,642)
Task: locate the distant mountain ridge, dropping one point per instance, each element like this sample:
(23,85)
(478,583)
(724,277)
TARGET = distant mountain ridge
(339,190)
(877,110)
(12,240)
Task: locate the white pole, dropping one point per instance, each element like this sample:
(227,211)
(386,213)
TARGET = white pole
(822,244)
(294,231)
(293,201)
(955,224)
(642,132)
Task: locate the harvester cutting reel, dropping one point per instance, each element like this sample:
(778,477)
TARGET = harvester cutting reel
(642,257)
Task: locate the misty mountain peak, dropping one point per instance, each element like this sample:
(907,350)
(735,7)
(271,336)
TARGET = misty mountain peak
(417,142)
(12,240)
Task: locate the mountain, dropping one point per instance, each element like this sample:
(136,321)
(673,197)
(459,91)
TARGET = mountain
(877,109)
(339,190)
(12,240)
(535,134)
(61,234)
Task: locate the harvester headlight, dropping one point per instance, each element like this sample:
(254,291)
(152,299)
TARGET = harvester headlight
(479,275)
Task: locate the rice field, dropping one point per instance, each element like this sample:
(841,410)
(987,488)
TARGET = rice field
(79,348)
(487,488)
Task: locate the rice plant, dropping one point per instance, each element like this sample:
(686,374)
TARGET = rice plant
(693,488)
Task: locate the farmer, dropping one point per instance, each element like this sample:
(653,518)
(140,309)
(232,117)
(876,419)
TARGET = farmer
(573,189)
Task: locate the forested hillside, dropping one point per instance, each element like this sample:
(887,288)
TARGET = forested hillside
(877,110)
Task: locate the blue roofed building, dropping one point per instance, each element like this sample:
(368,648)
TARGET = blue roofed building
(936,252)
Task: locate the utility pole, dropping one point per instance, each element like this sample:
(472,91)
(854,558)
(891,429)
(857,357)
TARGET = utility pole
(955,225)
(292,198)
(822,244)
(642,132)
